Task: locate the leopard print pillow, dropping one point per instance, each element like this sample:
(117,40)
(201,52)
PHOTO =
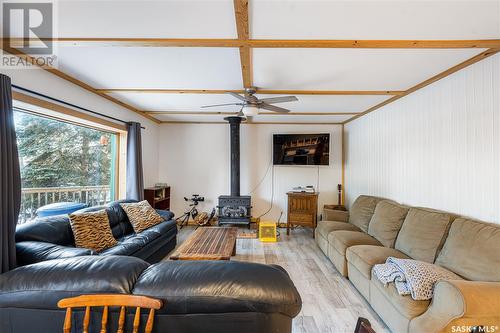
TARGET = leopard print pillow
(141,215)
(92,230)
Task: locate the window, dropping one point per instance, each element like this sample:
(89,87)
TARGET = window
(61,161)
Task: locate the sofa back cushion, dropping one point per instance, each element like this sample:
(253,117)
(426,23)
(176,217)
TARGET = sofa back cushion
(362,210)
(472,250)
(52,229)
(42,285)
(423,233)
(118,220)
(386,222)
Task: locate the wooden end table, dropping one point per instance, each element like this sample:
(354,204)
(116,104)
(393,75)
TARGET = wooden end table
(208,243)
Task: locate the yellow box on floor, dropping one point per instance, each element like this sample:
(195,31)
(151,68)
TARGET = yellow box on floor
(267,231)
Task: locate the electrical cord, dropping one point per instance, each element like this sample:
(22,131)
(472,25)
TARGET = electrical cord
(263,177)
(317,180)
(272,194)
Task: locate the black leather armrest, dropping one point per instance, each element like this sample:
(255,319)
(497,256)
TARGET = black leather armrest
(32,252)
(166,214)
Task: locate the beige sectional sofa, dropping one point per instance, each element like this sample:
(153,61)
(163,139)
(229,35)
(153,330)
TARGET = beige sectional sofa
(376,229)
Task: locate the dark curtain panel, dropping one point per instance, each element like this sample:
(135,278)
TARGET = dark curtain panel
(10,178)
(135,179)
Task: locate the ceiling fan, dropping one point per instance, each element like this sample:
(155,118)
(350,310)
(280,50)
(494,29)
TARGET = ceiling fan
(250,105)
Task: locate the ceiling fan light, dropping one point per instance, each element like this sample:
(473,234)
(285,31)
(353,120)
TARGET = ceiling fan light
(250,110)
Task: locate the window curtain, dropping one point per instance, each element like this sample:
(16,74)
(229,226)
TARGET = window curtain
(135,178)
(10,178)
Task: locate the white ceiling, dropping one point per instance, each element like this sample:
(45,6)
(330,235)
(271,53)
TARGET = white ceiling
(393,19)
(193,102)
(276,69)
(351,69)
(147,19)
(153,67)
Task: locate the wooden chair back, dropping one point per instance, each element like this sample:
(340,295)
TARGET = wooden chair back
(363,326)
(107,300)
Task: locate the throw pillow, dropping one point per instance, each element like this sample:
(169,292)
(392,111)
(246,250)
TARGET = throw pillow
(92,230)
(141,215)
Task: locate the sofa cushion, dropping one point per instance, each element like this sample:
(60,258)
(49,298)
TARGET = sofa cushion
(126,246)
(405,305)
(362,210)
(386,222)
(325,227)
(219,287)
(141,215)
(364,257)
(472,250)
(42,285)
(423,233)
(342,239)
(92,230)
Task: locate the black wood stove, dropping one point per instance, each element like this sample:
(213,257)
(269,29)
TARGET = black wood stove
(235,208)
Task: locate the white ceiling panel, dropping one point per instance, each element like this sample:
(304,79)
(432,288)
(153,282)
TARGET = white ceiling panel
(177,102)
(402,19)
(301,119)
(147,19)
(263,118)
(151,67)
(351,69)
(333,103)
(193,102)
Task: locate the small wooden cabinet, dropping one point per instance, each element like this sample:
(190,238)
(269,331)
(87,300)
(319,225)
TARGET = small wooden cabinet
(302,210)
(158,197)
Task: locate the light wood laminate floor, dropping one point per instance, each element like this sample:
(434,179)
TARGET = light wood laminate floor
(331,304)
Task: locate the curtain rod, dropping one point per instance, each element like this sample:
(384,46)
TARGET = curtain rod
(70,104)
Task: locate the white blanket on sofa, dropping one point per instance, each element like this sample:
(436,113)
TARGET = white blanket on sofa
(412,277)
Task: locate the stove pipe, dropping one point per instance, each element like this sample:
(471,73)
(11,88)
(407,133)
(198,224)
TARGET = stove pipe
(234,125)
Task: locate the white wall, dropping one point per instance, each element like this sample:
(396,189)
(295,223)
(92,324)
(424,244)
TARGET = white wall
(194,158)
(43,82)
(438,147)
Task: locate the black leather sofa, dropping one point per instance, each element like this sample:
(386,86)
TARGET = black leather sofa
(199,296)
(52,238)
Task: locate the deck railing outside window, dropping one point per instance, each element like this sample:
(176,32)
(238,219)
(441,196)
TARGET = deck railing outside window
(34,198)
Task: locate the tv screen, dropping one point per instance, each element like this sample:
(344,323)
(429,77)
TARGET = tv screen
(301,149)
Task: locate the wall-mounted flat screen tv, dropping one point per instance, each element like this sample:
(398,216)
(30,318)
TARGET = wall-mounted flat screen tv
(301,149)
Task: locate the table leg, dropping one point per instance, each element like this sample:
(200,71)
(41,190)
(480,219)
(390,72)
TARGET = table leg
(234,250)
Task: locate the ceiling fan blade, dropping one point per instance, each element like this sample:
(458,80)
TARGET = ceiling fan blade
(272,108)
(241,98)
(283,99)
(211,106)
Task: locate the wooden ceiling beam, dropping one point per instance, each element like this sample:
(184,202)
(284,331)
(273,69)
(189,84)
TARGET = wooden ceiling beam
(245,123)
(273,43)
(77,82)
(225,113)
(242,27)
(259,91)
(454,69)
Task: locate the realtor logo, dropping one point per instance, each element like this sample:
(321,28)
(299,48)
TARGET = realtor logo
(27,29)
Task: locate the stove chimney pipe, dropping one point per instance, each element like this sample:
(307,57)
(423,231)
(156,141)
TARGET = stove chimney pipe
(234,125)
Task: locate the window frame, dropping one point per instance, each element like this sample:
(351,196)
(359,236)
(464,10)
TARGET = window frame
(43,108)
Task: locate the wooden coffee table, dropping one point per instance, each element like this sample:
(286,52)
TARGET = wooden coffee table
(208,243)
